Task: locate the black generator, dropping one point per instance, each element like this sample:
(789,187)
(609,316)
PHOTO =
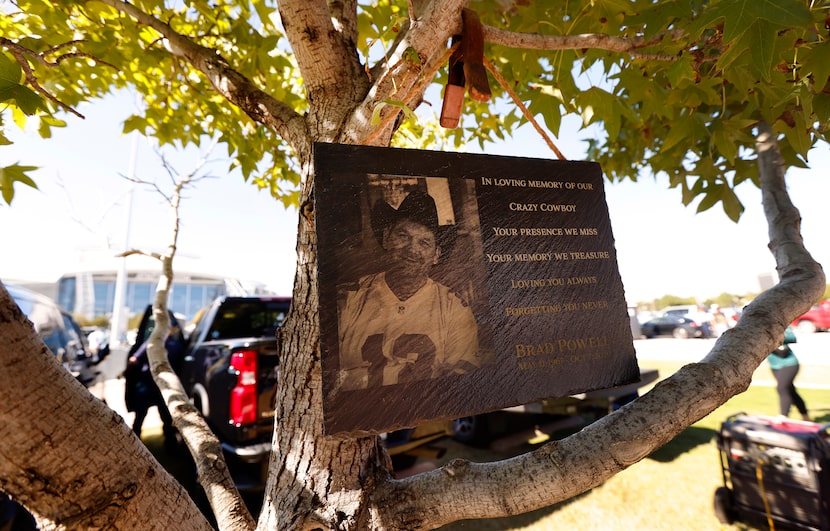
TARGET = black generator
(776,473)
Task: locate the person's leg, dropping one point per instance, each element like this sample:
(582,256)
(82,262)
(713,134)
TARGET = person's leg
(784,378)
(140,415)
(168,429)
(798,402)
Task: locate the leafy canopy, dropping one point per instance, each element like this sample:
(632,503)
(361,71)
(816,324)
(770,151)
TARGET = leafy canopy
(683,102)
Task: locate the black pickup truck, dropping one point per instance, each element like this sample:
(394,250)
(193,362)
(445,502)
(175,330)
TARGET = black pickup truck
(229,370)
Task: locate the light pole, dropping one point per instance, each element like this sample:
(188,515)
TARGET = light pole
(120,314)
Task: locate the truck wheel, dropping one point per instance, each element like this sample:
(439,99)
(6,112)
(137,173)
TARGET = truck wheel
(807,327)
(199,398)
(724,506)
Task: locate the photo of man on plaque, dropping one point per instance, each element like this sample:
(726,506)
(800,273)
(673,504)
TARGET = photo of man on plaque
(398,324)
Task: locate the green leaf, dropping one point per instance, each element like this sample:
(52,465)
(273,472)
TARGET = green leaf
(817,63)
(676,136)
(651,115)
(711,197)
(10,72)
(27,100)
(739,15)
(135,123)
(52,121)
(687,195)
(596,105)
(44,129)
(12,174)
(681,70)
(657,17)
(401,105)
(821,106)
(799,136)
(731,204)
(760,39)
(725,144)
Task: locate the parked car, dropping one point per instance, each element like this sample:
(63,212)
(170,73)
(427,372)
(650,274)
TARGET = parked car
(59,331)
(672,325)
(229,371)
(816,319)
(680,310)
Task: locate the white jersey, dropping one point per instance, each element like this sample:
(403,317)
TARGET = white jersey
(385,341)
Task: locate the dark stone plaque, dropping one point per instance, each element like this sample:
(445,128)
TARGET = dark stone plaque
(454,284)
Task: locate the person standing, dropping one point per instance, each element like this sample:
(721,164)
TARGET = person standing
(720,323)
(785,366)
(704,320)
(141,392)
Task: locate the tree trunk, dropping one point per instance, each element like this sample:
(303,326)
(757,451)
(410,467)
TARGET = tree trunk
(315,482)
(67,456)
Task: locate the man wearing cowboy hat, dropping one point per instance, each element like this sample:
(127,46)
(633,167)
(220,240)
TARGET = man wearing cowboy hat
(399,325)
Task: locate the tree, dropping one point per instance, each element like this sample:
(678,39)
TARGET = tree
(710,93)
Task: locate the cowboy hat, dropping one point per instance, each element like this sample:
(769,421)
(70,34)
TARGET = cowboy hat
(418,207)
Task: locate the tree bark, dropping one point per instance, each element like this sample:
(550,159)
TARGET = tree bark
(68,457)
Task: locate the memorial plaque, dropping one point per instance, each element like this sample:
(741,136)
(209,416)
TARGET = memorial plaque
(454,284)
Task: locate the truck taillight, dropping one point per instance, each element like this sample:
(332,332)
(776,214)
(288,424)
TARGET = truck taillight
(243,408)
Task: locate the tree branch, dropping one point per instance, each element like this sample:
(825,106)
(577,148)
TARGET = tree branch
(397,76)
(598,41)
(228,507)
(344,17)
(792,259)
(47,413)
(332,74)
(140,252)
(20,53)
(424,39)
(232,85)
(417,89)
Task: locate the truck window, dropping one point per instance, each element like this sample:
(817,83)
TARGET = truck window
(248,318)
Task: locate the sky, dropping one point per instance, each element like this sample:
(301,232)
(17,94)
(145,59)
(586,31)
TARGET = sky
(77,218)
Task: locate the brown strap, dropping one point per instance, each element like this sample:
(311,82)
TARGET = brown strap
(454,92)
(472,46)
(466,70)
